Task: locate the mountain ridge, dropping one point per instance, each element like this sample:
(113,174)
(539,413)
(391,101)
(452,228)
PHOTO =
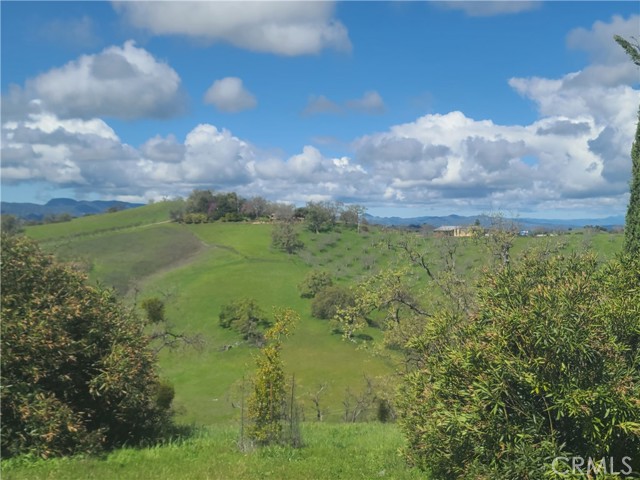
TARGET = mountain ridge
(485,220)
(58,206)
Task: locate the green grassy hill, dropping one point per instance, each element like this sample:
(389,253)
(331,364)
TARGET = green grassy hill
(198,268)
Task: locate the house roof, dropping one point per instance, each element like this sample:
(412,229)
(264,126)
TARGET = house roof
(447,228)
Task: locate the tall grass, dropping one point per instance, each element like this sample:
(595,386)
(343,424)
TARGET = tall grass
(343,451)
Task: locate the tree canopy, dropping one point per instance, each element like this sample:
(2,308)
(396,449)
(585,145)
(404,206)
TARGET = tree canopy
(632,221)
(547,366)
(77,373)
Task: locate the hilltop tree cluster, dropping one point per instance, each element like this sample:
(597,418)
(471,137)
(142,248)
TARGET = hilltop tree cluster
(203,206)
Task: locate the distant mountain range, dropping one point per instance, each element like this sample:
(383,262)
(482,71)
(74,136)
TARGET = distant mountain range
(485,220)
(80,208)
(57,206)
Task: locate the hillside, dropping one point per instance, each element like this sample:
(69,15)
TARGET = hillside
(196,269)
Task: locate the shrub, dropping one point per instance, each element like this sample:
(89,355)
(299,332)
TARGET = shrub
(77,373)
(11,225)
(195,218)
(154,309)
(313,282)
(232,217)
(245,317)
(285,237)
(165,392)
(329,300)
(267,405)
(548,366)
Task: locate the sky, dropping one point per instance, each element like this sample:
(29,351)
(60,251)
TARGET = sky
(407,108)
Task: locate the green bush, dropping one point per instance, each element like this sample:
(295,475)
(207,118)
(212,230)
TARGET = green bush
(245,317)
(329,300)
(313,282)
(267,403)
(77,373)
(11,225)
(195,218)
(164,394)
(232,217)
(154,309)
(285,237)
(548,366)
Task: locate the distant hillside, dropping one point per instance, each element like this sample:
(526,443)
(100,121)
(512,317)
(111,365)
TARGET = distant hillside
(485,220)
(57,206)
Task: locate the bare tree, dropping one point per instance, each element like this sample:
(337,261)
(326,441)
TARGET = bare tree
(315,399)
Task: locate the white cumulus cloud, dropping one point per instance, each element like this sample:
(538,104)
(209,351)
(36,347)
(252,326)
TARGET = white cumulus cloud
(229,95)
(122,82)
(284,28)
(575,155)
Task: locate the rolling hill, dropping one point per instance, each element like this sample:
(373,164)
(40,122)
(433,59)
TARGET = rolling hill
(196,269)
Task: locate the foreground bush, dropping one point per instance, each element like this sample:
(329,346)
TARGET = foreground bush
(268,407)
(77,373)
(549,366)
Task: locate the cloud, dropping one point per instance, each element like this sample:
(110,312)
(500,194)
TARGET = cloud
(229,95)
(564,127)
(489,8)
(216,157)
(283,28)
(69,152)
(610,65)
(598,41)
(575,155)
(455,160)
(370,103)
(596,106)
(320,104)
(88,156)
(163,150)
(448,161)
(121,82)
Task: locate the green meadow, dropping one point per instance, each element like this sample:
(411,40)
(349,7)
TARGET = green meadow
(195,270)
(331,452)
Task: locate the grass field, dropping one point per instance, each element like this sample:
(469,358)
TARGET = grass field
(331,451)
(239,263)
(97,224)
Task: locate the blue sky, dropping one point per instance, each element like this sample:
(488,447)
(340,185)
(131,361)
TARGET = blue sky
(409,108)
